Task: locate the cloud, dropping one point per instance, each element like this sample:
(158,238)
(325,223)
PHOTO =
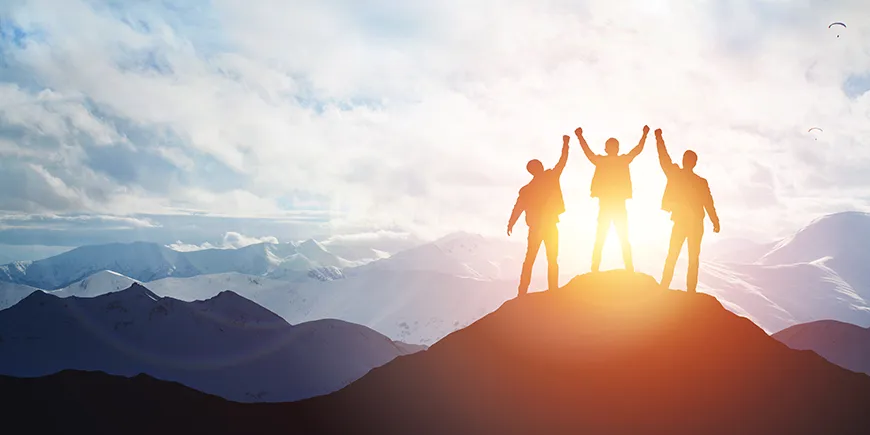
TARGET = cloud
(193,229)
(84,221)
(231,240)
(421,116)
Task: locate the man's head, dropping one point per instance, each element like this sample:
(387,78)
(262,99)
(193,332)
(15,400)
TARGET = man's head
(535,167)
(690,159)
(611,147)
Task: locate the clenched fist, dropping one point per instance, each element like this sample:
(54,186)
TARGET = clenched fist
(578,131)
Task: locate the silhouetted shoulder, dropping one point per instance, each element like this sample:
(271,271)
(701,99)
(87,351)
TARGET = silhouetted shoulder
(524,189)
(528,188)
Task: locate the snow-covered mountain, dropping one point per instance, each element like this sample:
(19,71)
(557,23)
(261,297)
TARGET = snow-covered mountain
(417,307)
(256,288)
(842,240)
(736,250)
(775,297)
(11,293)
(358,254)
(458,254)
(226,345)
(367,247)
(843,344)
(146,262)
(818,273)
(97,284)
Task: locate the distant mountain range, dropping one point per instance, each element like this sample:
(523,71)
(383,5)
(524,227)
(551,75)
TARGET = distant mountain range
(225,345)
(423,293)
(416,296)
(841,343)
(146,262)
(608,353)
(416,307)
(459,254)
(818,273)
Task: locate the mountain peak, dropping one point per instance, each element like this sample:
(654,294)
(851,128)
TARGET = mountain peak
(134,290)
(828,235)
(312,244)
(609,352)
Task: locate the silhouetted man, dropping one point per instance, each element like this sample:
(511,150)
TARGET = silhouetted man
(541,199)
(611,184)
(686,197)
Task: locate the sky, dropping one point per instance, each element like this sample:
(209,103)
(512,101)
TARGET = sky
(222,123)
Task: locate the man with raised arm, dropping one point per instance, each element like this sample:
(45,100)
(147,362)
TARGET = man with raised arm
(687,196)
(611,184)
(541,200)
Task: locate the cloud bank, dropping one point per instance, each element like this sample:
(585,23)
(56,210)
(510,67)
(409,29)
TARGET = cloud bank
(339,117)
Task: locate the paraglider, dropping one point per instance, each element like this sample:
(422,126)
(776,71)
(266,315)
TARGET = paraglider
(814,128)
(836,23)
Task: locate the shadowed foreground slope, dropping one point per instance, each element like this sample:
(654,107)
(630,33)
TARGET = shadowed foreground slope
(608,353)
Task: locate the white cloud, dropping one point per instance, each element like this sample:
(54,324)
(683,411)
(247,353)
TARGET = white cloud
(231,240)
(422,115)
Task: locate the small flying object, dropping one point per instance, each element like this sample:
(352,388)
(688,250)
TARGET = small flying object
(814,128)
(836,23)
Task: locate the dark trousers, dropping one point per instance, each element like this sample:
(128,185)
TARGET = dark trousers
(549,235)
(693,231)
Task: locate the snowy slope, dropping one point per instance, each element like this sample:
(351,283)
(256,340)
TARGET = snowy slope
(10,293)
(146,262)
(318,254)
(735,250)
(775,297)
(842,240)
(97,284)
(357,254)
(140,261)
(458,254)
(818,273)
(415,307)
(226,345)
(202,287)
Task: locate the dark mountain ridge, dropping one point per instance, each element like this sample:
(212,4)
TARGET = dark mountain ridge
(607,353)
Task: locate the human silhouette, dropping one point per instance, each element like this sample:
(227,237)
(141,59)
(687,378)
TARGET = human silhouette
(611,184)
(541,200)
(687,196)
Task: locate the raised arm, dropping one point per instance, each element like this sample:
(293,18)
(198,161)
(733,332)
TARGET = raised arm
(560,165)
(515,214)
(711,208)
(586,150)
(664,158)
(636,150)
